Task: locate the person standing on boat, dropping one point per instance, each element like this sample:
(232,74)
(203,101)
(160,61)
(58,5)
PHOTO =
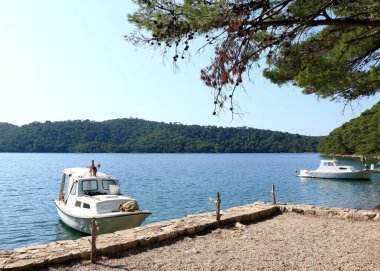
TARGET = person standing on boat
(362,159)
(93,169)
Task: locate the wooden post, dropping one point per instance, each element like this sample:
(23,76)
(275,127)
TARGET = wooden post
(273,195)
(93,240)
(217,205)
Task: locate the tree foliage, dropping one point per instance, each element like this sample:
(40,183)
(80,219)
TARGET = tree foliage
(327,47)
(135,135)
(358,136)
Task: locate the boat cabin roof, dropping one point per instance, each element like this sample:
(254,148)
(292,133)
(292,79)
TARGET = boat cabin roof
(328,163)
(81,173)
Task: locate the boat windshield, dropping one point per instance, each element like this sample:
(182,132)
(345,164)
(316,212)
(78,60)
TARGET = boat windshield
(106,184)
(89,185)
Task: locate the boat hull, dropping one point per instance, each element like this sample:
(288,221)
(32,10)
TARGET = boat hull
(358,175)
(106,224)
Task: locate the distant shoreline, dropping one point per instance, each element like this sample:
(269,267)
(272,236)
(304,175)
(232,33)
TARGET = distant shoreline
(356,156)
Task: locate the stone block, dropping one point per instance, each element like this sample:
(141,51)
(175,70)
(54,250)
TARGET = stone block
(210,224)
(199,228)
(181,231)
(111,250)
(20,250)
(144,241)
(190,229)
(165,235)
(297,210)
(237,218)
(152,239)
(332,213)
(370,215)
(253,217)
(288,209)
(83,254)
(27,264)
(227,220)
(321,212)
(2,263)
(348,215)
(359,216)
(309,212)
(62,258)
(37,247)
(282,209)
(173,234)
(130,244)
(4,253)
(266,213)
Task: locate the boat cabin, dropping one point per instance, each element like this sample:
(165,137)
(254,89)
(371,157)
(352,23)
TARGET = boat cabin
(331,165)
(90,194)
(91,187)
(81,183)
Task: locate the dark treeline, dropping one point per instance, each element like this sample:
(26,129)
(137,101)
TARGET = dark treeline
(358,136)
(136,135)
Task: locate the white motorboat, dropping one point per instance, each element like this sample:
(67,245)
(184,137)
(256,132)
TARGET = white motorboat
(329,169)
(96,195)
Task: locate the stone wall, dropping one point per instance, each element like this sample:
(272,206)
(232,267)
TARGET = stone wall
(40,256)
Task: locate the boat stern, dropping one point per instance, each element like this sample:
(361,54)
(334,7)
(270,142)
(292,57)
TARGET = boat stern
(305,173)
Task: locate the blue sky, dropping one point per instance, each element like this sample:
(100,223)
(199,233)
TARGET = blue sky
(66,60)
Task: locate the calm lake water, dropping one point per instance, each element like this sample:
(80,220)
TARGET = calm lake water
(168,185)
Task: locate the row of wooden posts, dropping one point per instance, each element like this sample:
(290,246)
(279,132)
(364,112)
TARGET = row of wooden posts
(217,209)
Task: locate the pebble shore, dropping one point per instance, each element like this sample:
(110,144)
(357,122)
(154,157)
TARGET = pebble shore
(257,236)
(286,242)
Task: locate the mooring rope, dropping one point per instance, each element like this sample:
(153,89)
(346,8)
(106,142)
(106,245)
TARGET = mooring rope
(210,201)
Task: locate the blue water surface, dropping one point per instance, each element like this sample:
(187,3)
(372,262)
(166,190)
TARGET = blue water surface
(168,185)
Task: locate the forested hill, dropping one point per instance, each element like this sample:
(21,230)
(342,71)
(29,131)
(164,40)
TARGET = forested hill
(136,135)
(358,136)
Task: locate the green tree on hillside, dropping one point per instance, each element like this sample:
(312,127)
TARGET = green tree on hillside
(327,47)
(135,135)
(358,136)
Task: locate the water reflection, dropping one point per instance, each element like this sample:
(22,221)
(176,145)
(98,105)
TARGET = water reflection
(64,232)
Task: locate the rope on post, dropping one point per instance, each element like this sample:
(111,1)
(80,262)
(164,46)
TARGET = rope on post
(273,194)
(217,205)
(93,240)
(210,202)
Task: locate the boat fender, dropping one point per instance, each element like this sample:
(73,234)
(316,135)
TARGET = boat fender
(129,206)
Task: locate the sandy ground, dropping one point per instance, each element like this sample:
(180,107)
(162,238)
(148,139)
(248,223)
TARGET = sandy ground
(285,242)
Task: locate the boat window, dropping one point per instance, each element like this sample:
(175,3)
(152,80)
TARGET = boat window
(86,205)
(89,185)
(73,190)
(106,184)
(78,203)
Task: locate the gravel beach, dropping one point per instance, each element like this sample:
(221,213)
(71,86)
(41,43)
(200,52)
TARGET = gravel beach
(285,242)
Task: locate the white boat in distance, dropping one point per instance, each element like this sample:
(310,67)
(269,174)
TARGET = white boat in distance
(96,195)
(329,169)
